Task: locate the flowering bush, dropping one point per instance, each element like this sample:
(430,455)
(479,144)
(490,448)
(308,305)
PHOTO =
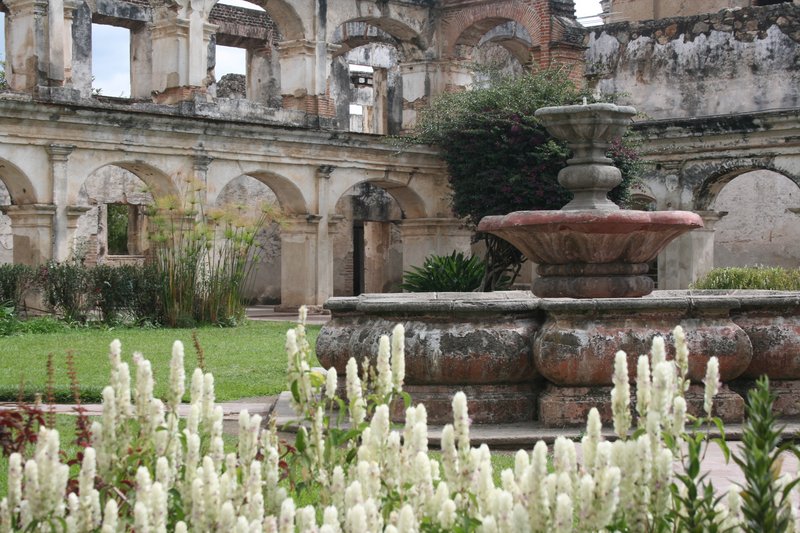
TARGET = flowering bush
(144,472)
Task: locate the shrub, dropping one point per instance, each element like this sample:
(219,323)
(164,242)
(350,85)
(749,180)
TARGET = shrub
(67,289)
(142,472)
(127,293)
(15,282)
(445,273)
(755,278)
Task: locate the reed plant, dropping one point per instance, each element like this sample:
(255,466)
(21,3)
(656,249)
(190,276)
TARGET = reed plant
(204,257)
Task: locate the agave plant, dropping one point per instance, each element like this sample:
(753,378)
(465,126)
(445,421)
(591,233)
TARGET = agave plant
(445,273)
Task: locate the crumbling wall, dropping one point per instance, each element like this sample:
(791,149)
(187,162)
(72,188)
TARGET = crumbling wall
(733,61)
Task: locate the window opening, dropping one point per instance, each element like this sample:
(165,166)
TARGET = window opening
(117,221)
(111,61)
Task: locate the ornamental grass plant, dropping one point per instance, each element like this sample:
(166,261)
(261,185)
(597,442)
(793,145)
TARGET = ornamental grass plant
(143,471)
(204,258)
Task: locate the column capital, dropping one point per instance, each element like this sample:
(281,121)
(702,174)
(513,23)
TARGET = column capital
(38,7)
(201,161)
(59,152)
(28,215)
(325,171)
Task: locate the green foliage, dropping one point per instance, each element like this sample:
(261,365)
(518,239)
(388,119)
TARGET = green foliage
(15,282)
(67,289)
(765,498)
(447,273)
(117,221)
(205,259)
(127,293)
(501,159)
(3,80)
(756,278)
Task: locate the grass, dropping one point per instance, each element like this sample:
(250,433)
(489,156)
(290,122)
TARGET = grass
(248,360)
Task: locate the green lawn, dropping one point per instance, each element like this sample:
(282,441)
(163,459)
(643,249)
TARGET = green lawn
(247,360)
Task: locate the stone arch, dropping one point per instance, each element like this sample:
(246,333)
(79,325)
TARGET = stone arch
(757,220)
(20,188)
(289,195)
(411,203)
(112,205)
(468,26)
(285,16)
(263,284)
(513,37)
(159,183)
(366,81)
(724,172)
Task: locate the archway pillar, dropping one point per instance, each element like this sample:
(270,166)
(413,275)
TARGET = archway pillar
(427,236)
(426,79)
(180,51)
(26,44)
(690,256)
(32,226)
(62,243)
(305,67)
(302,270)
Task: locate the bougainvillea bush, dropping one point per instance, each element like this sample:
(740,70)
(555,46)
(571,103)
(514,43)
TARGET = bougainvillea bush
(147,471)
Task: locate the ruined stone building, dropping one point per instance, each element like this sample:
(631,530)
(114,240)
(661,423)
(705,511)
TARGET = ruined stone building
(326,81)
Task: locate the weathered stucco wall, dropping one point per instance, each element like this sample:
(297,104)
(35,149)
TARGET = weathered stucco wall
(762,225)
(728,62)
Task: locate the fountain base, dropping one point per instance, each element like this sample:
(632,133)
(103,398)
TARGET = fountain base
(586,280)
(570,406)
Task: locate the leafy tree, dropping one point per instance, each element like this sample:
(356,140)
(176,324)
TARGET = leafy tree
(501,159)
(3,81)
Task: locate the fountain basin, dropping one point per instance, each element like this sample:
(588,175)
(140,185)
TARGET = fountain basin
(592,253)
(520,358)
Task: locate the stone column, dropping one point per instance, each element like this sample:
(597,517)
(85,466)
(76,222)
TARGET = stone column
(180,37)
(142,61)
(376,252)
(26,40)
(324,247)
(299,262)
(69,16)
(380,87)
(427,236)
(259,71)
(304,76)
(32,225)
(426,79)
(690,256)
(297,73)
(56,40)
(59,154)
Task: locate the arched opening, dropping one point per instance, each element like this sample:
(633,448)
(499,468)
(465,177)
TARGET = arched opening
(366,83)
(243,57)
(114,228)
(495,47)
(368,241)
(251,194)
(762,224)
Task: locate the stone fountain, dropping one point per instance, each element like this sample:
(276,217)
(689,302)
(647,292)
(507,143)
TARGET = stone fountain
(547,358)
(590,249)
